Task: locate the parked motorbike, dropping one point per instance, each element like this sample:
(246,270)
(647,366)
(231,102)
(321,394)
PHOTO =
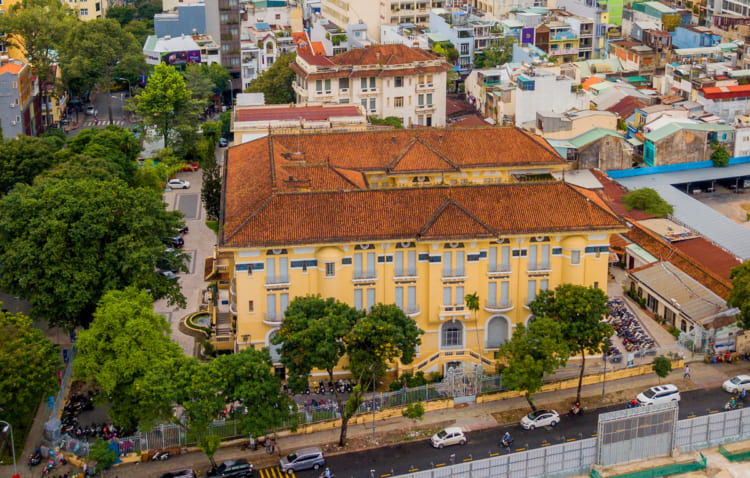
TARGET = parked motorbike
(732,405)
(160,456)
(35,458)
(576,410)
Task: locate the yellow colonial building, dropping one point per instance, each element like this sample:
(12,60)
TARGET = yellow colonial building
(419,218)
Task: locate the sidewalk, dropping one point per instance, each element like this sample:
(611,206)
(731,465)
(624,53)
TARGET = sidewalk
(472,417)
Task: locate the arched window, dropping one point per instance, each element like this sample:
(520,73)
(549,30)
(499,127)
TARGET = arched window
(452,334)
(497,332)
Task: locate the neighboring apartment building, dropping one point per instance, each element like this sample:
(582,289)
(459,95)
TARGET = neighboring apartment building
(185,20)
(726,102)
(89,9)
(181,50)
(223,24)
(387,80)
(376,13)
(727,7)
(684,142)
(468,33)
(602,12)
(416,218)
(20,106)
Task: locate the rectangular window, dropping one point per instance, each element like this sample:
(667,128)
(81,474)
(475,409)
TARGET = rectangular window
(429,100)
(328,86)
(545,257)
(319,86)
(420,100)
(283,303)
(460,262)
(330,269)
(371,263)
(411,298)
(492,293)
(429,80)
(398,102)
(575,257)
(270,271)
(363,84)
(505,261)
(370,298)
(372,83)
(399,81)
(98,7)
(400,297)
(447,263)
(531,291)
(399,265)
(543,284)
(504,294)
(364,104)
(557,251)
(372,105)
(251,306)
(493,259)
(84,12)
(343,83)
(358,299)
(357,264)
(411,258)
(271,305)
(532,257)
(459,295)
(447,295)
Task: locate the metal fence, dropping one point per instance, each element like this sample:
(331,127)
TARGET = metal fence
(712,430)
(558,460)
(64,383)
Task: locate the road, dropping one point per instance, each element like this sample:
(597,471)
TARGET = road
(419,455)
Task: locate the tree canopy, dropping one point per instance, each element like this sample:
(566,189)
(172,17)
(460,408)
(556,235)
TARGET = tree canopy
(29,363)
(166,104)
(317,333)
(114,144)
(648,201)
(23,158)
(496,55)
(66,240)
(532,352)
(580,312)
(276,82)
(720,156)
(740,295)
(126,340)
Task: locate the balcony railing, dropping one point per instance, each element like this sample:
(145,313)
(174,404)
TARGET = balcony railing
(364,276)
(495,270)
(451,274)
(498,305)
(539,267)
(273,319)
(404,274)
(277,280)
(454,310)
(412,311)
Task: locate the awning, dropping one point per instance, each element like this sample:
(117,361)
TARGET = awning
(635,142)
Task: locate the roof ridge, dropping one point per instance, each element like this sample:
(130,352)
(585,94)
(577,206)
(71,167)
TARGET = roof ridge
(447,203)
(414,140)
(336,170)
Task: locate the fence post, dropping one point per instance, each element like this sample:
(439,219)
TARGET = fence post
(163,445)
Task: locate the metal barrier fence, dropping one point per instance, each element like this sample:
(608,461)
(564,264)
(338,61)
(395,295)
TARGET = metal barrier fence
(712,430)
(65,382)
(558,460)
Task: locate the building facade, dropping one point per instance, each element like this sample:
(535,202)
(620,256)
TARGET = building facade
(415,218)
(20,106)
(387,80)
(223,24)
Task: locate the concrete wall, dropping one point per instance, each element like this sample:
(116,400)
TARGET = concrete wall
(187,19)
(604,119)
(685,146)
(606,153)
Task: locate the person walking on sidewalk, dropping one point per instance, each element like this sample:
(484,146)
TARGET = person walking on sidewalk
(687,371)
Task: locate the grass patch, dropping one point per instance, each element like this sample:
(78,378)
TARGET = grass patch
(213,225)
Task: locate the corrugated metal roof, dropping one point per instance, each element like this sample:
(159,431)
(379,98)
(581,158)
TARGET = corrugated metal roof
(591,136)
(641,252)
(687,294)
(703,219)
(672,128)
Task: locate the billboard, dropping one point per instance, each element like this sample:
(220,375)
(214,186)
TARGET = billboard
(181,57)
(527,36)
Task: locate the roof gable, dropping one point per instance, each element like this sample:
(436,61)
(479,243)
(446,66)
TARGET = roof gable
(417,156)
(451,220)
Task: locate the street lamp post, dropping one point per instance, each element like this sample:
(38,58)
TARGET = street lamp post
(130,90)
(12,445)
(373,405)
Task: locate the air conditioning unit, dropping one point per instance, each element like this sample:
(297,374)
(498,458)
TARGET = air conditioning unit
(14,123)
(13,104)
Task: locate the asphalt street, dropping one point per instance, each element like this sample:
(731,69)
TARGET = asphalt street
(419,455)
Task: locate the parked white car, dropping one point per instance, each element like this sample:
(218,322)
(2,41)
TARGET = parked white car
(736,384)
(540,418)
(659,394)
(178,184)
(448,436)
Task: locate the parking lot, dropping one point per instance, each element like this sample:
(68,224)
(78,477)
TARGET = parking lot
(734,205)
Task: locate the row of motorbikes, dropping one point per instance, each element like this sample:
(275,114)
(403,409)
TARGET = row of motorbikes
(627,327)
(322,387)
(77,403)
(313,405)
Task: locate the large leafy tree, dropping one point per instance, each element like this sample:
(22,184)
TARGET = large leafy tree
(29,363)
(23,158)
(276,82)
(37,29)
(648,201)
(740,295)
(66,240)
(127,340)
(532,352)
(114,144)
(211,187)
(376,342)
(580,311)
(97,52)
(166,103)
(496,55)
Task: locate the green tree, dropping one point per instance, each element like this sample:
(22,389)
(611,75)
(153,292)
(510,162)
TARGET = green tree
(648,201)
(739,297)
(209,445)
(472,303)
(199,83)
(126,341)
(166,103)
(580,311)
(377,342)
(414,411)
(98,51)
(66,240)
(662,366)
(103,455)
(393,121)
(276,82)
(211,188)
(720,156)
(496,55)
(140,29)
(38,30)
(29,363)
(446,50)
(219,76)
(157,170)
(114,144)
(124,14)
(531,353)
(23,158)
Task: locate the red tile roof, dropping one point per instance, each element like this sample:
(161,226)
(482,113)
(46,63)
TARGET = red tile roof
(626,106)
(712,257)
(419,157)
(469,121)
(724,92)
(294,112)
(383,55)
(318,48)
(11,67)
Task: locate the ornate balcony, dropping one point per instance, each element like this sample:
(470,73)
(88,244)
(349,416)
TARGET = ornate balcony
(277,280)
(498,306)
(498,270)
(454,274)
(364,276)
(405,274)
(273,320)
(455,310)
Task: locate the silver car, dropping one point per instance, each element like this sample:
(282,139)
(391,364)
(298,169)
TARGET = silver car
(303,459)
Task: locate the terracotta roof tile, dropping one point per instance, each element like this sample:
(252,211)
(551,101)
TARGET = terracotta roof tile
(626,106)
(418,157)
(383,55)
(452,221)
(469,121)
(712,257)
(327,217)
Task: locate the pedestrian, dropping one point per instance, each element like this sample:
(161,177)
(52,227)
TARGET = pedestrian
(273,445)
(687,372)
(268,445)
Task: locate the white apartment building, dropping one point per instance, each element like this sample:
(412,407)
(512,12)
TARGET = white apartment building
(387,80)
(375,13)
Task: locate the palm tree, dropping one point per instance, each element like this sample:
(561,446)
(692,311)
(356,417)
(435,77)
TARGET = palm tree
(472,303)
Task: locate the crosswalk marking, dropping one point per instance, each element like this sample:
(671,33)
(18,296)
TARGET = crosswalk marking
(274,472)
(102,123)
